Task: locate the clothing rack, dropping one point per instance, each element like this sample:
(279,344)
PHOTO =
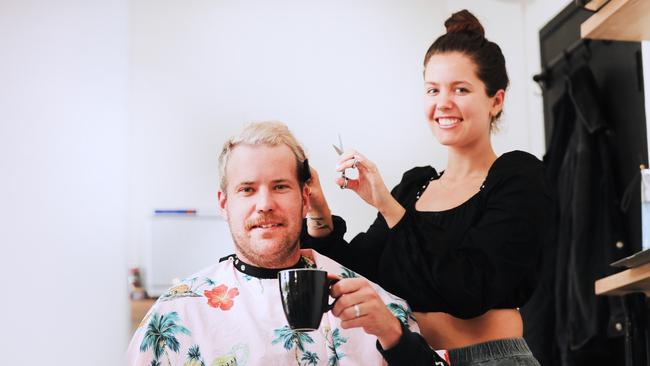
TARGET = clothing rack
(544,77)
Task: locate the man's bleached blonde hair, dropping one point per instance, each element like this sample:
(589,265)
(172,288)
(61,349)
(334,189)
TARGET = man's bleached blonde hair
(272,133)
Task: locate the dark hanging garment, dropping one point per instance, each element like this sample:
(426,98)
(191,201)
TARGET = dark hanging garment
(539,312)
(579,164)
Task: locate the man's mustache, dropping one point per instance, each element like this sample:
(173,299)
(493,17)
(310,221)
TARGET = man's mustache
(263,220)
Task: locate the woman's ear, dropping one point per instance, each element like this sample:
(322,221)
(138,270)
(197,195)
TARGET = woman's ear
(497,102)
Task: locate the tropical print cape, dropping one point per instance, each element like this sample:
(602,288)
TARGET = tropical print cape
(223,317)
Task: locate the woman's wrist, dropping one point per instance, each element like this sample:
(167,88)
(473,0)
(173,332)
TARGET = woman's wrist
(319,226)
(319,222)
(392,211)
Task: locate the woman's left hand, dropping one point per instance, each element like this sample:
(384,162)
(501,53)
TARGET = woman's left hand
(369,185)
(359,305)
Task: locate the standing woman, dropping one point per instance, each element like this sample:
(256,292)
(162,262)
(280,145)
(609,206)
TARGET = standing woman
(461,245)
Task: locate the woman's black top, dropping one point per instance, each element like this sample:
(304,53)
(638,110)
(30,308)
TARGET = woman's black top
(481,255)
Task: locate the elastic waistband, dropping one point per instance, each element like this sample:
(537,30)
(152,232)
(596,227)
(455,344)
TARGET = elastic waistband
(491,350)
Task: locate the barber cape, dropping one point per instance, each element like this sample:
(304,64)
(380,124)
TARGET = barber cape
(224,317)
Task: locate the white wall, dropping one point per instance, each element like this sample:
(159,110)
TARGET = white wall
(201,70)
(63,182)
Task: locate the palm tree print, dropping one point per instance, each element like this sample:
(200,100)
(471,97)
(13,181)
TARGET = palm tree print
(154,363)
(206,281)
(194,357)
(160,335)
(347,273)
(292,339)
(309,263)
(337,341)
(186,289)
(310,358)
(401,313)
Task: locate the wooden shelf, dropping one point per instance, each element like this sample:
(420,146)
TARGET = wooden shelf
(621,20)
(631,280)
(139,309)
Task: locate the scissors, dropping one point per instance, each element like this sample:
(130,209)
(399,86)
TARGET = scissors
(339,150)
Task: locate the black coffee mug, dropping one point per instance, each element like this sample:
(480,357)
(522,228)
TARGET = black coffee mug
(305,297)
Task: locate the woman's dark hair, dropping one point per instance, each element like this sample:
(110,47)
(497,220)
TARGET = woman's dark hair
(465,34)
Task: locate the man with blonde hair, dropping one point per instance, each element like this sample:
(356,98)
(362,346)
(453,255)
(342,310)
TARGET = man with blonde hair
(231,312)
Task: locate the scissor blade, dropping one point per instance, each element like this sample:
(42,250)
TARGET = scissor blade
(338,150)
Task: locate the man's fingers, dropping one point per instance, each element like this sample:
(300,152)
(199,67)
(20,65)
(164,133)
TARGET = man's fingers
(347,286)
(354,322)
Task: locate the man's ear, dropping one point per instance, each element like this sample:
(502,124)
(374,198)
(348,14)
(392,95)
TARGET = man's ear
(305,200)
(221,196)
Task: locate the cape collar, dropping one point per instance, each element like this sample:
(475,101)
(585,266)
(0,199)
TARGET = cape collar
(267,273)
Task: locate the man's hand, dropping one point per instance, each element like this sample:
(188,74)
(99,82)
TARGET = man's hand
(359,305)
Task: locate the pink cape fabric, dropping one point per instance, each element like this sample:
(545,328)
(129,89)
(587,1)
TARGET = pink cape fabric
(223,317)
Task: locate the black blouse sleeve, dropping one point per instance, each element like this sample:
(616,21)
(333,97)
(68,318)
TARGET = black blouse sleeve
(411,350)
(363,252)
(491,264)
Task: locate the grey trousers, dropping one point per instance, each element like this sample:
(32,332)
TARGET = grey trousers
(502,352)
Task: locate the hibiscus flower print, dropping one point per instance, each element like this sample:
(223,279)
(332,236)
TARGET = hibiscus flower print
(220,297)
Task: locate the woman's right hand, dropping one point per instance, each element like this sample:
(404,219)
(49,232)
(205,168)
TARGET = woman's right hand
(369,185)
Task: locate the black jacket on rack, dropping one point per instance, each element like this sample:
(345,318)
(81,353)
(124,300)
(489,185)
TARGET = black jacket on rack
(579,164)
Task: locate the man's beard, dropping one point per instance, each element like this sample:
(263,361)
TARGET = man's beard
(261,257)
(269,260)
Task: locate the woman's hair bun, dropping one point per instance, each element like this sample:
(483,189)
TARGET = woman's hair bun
(464,22)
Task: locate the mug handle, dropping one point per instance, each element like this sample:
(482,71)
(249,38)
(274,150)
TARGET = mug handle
(331,283)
